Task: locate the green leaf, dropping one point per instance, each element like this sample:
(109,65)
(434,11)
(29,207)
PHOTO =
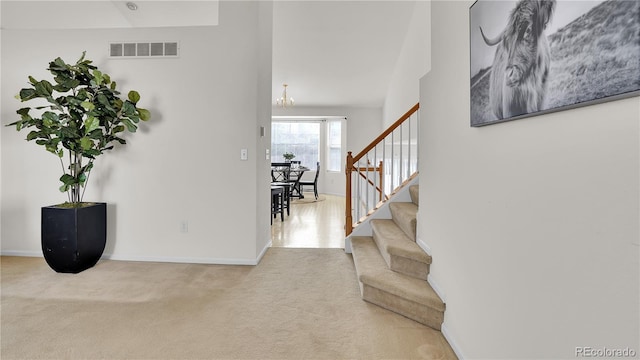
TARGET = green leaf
(102,99)
(130,126)
(64,188)
(61,88)
(86,143)
(87,105)
(92,153)
(68,83)
(58,64)
(134,97)
(117,129)
(69,132)
(144,114)
(27,94)
(52,149)
(33,135)
(96,134)
(50,118)
(17,124)
(90,124)
(23,111)
(87,168)
(98,78)
(128,108)
(67,179)
(44,88)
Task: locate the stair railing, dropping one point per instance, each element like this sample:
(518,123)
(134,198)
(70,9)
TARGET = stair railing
(381,168)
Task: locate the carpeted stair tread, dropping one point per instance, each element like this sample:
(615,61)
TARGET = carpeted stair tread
(391,239)
(404,215)
(372,270)
(397,292)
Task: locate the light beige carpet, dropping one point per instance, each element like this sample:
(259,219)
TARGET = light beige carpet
(296,304)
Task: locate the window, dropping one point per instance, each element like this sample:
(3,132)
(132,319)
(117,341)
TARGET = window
(302,138)
(310,139)
(334,145)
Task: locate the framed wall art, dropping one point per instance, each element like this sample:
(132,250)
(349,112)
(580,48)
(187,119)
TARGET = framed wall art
(531,57)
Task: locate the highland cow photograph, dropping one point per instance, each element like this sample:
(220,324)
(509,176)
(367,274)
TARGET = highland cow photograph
(531,57)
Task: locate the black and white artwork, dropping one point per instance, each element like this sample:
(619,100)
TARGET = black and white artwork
(531,57)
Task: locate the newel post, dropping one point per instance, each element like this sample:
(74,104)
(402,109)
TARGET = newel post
(348,226)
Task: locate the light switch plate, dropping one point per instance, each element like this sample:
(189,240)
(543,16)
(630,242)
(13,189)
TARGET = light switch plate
(244,154)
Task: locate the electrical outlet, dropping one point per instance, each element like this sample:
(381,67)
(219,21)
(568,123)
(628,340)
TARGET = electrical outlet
(244,154)
(184,226)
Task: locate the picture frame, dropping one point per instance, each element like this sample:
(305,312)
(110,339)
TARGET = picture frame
(532,57)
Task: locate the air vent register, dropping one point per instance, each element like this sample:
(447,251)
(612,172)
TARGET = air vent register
(143,49)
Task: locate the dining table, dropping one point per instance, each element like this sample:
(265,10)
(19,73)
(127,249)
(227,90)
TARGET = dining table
(289,174)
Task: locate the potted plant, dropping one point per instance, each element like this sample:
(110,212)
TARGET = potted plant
(78,118)
(288,156)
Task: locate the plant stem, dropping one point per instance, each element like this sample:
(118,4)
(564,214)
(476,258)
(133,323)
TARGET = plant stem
(86,182)
(64,172)
(70,191)
(77,166)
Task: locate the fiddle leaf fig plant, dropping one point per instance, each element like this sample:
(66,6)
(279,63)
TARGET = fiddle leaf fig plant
(80,116)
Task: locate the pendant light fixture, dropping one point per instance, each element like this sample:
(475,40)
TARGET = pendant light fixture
(284,101)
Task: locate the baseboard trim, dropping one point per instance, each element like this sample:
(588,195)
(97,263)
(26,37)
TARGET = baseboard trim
(212,261)
(264,251)
(447,335)
(423,245)
(21,253)
(180,260)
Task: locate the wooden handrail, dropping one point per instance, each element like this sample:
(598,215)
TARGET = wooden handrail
(350,167)
(387,132)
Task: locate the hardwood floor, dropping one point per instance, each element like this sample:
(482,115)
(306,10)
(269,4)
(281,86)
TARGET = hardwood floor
(311,224)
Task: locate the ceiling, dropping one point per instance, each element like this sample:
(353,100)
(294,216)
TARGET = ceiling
(72,14)
(330,53)
(337,52)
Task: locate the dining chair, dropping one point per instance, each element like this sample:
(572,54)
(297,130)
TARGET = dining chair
(277,201)
(280,172)
(313,183)
(286,194)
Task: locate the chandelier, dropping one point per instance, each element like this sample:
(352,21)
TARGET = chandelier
(284,102)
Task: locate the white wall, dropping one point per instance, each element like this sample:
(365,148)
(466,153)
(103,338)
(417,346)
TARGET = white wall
(264,98)
(183,165)
(363,125)
(532,224)
(413,62)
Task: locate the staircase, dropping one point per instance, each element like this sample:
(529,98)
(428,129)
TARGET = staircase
(392,269)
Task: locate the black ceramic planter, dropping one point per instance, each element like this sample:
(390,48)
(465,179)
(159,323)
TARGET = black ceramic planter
(73,239)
